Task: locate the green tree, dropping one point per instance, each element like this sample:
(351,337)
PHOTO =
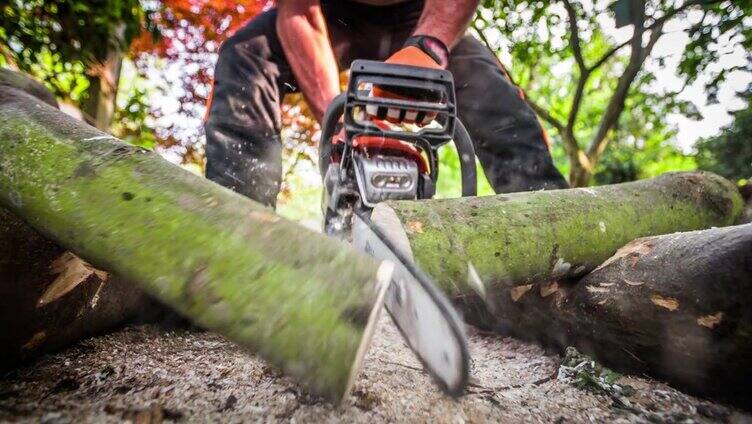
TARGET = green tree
(74,46)
(604,78)
(729,153)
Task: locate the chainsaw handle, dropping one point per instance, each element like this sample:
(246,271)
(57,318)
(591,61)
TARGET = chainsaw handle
(329,125)
(466,153)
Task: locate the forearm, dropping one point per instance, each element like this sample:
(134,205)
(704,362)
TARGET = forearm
(446,20)
(302,31)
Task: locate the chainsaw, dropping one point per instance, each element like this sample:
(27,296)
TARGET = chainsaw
(390,146)
(379,148)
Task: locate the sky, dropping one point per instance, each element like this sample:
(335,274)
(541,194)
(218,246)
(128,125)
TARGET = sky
(670,46)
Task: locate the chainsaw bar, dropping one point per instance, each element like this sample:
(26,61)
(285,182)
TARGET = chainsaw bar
(424,316)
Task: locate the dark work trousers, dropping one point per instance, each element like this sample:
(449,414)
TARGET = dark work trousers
(243,147)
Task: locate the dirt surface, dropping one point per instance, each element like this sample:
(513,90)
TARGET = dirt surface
(146,374)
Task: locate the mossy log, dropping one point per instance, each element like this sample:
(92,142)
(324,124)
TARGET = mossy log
(28,85)
(305,302)
(497,246)
(51,298)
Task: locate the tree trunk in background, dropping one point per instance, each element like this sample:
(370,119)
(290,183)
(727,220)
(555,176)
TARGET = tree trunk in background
(746,192)
(99,106)
(305,302)
(50,298)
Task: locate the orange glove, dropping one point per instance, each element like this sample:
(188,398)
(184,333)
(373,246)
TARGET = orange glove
(420,51)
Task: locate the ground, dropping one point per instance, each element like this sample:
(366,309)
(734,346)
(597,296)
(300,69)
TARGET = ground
(147,373)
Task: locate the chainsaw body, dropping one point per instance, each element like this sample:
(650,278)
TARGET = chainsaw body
(389,147)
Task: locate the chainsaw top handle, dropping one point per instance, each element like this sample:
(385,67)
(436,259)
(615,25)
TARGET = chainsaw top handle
(352,104)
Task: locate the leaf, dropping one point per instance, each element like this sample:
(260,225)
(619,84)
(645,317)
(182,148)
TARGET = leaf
(549,288)
(415,226)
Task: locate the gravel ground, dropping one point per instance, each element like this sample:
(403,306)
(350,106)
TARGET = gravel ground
(147,374)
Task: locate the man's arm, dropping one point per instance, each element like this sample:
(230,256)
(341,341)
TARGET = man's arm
(302,31)
(446,20)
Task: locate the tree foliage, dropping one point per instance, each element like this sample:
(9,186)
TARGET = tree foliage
(65,42)
(729,153)
(606,77)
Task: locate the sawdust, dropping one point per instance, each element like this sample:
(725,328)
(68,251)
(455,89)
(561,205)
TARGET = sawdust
(148,374)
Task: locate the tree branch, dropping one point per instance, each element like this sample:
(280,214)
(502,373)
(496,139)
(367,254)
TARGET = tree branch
(608,55)
(574,36)
(616,104)
(543,113)
(577,102)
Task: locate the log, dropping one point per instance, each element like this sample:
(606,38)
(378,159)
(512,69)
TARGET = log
(678,307)
(674,306)
(27,84)
(51,298)
(499,246)
(303,301)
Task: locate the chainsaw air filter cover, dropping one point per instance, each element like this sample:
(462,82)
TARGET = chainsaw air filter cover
(383,178)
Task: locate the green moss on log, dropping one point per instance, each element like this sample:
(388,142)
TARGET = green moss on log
(516,239)
(297,298)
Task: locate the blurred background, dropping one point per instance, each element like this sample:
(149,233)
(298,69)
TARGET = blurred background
(614,111)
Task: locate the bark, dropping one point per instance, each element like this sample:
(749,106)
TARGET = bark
(305,302)
(51,298)
(28,85)
(676,306)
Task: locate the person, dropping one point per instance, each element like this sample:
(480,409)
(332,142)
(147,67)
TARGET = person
(302,45)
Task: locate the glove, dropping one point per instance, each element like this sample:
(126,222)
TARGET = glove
(421,51)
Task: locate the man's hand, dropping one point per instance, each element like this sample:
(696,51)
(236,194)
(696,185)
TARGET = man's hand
(420,51)
(441,24)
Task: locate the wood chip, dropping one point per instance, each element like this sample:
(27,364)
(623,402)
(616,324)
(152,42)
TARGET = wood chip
(635,249)
(594,289)
(71,271)
(519,291)
(633,283)
(549,288)
(710,321)
(35,340)
(415,226)
(665,302)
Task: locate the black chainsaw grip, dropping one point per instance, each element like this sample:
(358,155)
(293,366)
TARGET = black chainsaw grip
(331,117)
(466,153)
